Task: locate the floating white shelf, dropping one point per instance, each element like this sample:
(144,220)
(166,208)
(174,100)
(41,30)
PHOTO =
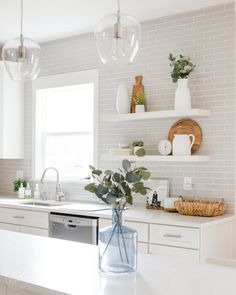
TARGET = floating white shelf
(156,115)
(156,158)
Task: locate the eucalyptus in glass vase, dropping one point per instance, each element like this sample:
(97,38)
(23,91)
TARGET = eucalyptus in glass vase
(118,243)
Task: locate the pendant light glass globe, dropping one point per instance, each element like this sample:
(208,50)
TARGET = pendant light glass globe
(118,38)
(22,62)
(21,56)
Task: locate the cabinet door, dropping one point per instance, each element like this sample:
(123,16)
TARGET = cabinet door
(11,227)
(12,117)
(188,254)
(34,231)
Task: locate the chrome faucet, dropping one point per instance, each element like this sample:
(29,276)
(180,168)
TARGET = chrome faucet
(59,195)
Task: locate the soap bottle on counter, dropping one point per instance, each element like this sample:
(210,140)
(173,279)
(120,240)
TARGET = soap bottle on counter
(36,191)
(28,192)
(21,191)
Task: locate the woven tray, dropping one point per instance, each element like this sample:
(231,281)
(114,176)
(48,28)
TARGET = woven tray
(201,208)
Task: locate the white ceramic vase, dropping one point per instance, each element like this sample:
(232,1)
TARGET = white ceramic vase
(122,100)
(139,108)
(182,95)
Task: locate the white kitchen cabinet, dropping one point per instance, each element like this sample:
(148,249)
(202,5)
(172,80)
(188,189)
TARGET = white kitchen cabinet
(11,117)
(165,250)
(34,231)
(25,221)
(11,227)
(213,240)
(24,217)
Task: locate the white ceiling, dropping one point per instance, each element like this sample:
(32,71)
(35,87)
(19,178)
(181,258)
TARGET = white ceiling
(52,19)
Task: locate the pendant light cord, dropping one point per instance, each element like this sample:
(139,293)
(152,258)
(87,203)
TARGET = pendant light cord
(118,4)
(21,21)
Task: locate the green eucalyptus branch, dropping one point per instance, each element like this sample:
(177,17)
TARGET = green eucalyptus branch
(181,67)
(117,188)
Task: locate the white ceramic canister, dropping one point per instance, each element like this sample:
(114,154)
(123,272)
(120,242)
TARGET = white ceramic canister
(169,204)
(182,144)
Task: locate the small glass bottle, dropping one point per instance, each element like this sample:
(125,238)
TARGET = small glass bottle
(118,246)
(21,191)
(28,191)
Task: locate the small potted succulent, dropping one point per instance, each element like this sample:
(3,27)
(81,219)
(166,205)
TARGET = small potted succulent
(182,67)
(118,243)
(140,103)
(139,148)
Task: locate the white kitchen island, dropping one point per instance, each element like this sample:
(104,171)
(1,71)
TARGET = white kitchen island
(40,265)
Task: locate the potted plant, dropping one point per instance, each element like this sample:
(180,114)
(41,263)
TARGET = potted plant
(139,148)
(17,184)
(139,103)
(118,243)
(182,67)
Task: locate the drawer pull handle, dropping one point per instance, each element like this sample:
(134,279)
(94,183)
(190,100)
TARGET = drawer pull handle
(172,236)
(18,217)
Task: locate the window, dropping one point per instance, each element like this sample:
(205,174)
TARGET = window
(65,124)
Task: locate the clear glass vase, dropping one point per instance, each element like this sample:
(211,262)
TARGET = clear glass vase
(118,246)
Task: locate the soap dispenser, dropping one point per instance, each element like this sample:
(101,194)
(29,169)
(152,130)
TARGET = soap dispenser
(28,192)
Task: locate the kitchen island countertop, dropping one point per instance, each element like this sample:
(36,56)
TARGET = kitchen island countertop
(52,266)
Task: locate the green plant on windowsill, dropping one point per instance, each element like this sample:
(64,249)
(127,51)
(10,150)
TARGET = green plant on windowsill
(17,184)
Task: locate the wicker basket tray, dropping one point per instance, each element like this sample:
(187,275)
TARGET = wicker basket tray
(201,208)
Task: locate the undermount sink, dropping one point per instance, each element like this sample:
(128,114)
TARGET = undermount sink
(43,204)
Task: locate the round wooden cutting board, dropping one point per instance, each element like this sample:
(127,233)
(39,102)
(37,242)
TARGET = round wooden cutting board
(187,126)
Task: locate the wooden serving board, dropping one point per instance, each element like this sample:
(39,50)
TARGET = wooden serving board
(187,126)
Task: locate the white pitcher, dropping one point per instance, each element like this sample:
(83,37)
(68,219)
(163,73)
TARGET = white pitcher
(182,144)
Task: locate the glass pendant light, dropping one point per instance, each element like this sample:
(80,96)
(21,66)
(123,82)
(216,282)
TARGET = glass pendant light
(21,56)
(118,38)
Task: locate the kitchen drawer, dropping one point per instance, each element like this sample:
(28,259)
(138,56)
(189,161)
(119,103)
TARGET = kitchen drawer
(188,254)
(141,228)
(24,217)
(34,231)
(175,236)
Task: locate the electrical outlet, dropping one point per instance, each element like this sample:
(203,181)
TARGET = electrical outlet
(187,185)
(19,174)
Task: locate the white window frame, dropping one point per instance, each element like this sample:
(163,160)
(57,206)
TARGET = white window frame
(61,80)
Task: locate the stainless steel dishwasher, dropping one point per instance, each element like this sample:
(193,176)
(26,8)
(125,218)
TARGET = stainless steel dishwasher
(76,228)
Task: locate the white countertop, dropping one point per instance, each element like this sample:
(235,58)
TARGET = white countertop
(72,268)
(134,213)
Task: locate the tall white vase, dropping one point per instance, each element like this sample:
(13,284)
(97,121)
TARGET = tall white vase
(122,100)
(182,95)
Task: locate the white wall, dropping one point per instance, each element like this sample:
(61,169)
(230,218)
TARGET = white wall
(207,36)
